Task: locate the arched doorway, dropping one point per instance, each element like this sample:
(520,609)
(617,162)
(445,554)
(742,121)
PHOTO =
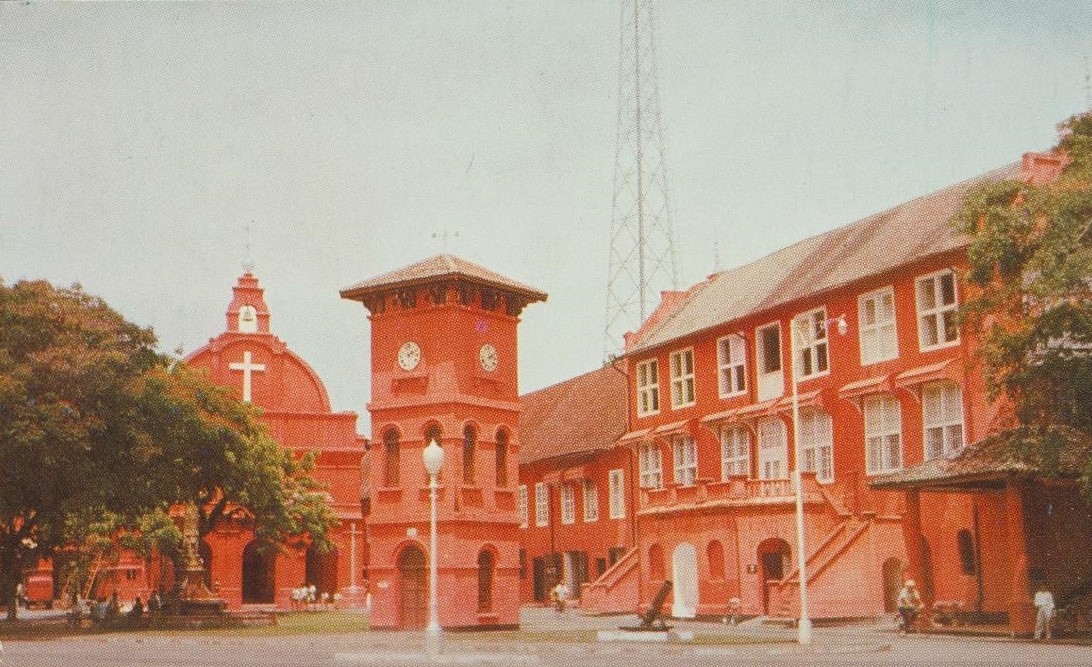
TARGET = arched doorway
(259,581)
(486,564)
(321,570)
(411,571)
(774,557)
(684,567)
(892,583)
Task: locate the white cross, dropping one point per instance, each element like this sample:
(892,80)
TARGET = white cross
(246,367)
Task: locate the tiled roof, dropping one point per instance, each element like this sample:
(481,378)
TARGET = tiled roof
(441,266)
(1021,452)
(914,230)
(585,413)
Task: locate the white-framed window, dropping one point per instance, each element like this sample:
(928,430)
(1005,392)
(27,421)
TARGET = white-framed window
(731,365)
(936,297)
(817,444)
(682,378)
(591,501)
(542,504)
(883,433)
(651,464)
(942,414)
(686,460)
(521,505)
(617,479)
(876,316)
(648,388)
(768,354)
(773,450)
(812,357)
(568,503)
(735,452)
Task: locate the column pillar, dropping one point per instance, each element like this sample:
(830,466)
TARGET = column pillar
(911,534)
(1021,611)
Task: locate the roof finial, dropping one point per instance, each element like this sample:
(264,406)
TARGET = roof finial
(443,238)
(248,261)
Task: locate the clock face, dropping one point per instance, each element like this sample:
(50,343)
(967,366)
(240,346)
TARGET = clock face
(487,356)
(409,355)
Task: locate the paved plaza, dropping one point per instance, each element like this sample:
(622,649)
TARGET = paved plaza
(546,638)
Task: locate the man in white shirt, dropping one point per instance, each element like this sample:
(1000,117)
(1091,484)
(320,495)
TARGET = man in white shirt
(1044,611)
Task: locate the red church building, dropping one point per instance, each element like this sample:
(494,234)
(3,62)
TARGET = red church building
(248,357)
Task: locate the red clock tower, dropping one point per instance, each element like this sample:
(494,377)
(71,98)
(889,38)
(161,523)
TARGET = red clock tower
(444,367)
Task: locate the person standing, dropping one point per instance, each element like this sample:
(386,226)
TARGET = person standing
(1044,611)
(908,604)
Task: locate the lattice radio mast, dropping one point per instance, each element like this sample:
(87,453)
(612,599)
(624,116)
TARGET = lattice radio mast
(642,245)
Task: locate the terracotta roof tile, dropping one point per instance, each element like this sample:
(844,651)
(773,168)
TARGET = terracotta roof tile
(919,228)
(585,413)
(1020,452)
(440,266)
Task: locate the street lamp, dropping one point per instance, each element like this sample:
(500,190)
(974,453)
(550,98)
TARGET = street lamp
(803,625)
(433,457)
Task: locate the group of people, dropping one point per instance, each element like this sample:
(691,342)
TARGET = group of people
(909,604)
(306,597)
(111,612)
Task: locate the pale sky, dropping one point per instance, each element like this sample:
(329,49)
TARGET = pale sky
(138,142)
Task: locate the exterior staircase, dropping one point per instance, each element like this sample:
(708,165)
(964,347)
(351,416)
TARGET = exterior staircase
(784,594)
(616,590)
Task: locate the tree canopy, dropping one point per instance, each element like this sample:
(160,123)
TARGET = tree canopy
(1030,286)
(101,433)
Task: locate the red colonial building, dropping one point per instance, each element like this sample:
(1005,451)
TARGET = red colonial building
(890,413)
(576,488)
(444,368)
(262,370)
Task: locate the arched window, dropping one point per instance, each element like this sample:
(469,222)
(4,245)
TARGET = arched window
(715,553)
(485,581)
(656,569)
(393,464)
(470,438)
(502,458)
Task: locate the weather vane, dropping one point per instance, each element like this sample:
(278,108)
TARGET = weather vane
(444,236)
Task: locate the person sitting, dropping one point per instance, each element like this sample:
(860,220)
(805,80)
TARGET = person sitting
(559,595)
(909,605)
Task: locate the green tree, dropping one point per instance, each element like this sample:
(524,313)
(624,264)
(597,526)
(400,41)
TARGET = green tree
(221,458)
(1030,287)
(100,435)
(67,361)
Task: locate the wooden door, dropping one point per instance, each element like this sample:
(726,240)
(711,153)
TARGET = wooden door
(414,585)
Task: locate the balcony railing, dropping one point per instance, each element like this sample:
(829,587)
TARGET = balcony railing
(737,490)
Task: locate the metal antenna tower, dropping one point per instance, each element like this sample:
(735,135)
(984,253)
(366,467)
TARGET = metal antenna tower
(642,244)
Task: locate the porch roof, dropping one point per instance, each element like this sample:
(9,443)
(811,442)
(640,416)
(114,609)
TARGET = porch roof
(1023,452)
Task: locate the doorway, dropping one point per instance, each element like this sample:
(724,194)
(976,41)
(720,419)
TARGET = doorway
(259,579)
(892,583)
(684,566)
(411,570)
(774,557)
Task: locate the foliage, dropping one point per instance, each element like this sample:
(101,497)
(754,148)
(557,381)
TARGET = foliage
(100,435)
(1030,286)
(67,361)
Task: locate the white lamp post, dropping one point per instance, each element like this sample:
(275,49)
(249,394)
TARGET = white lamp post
(433,456)
(803,625)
